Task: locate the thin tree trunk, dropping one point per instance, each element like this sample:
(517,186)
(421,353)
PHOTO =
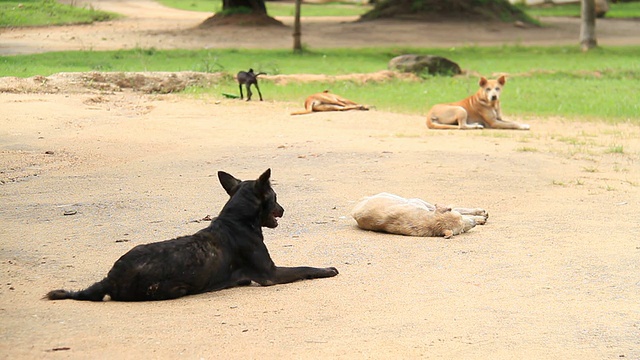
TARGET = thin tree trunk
(588,25)
(297,33)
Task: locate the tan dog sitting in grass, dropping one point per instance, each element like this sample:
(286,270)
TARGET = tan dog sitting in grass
(478,111)
(414,217)
(326,101)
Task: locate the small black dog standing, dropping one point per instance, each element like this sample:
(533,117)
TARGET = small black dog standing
(229,252)
(247,78)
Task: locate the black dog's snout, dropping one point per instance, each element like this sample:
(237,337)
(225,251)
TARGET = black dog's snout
(278,211)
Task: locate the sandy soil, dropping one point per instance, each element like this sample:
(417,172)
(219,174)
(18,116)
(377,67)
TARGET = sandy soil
(552,275)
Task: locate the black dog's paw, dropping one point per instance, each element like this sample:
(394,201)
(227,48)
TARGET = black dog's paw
(332,271)
(57,295)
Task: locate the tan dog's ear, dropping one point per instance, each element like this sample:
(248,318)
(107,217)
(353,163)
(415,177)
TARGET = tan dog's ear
(502,80)
(483,81)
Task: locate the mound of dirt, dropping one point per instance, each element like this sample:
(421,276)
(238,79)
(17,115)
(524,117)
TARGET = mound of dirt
(379,76)
(249,20)
(76,82)
(162,82)
(456,10)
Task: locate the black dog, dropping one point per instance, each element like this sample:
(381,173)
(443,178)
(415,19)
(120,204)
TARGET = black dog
(247,78)
(230,252)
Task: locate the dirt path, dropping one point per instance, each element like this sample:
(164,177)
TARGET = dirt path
(552,275)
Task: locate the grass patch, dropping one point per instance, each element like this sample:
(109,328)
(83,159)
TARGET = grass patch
(615,149)
(573,141)
(494,134)
(621,10)
(47,12)
(276,8)
(331,62)
(557,64)
(599,85)
(527,149)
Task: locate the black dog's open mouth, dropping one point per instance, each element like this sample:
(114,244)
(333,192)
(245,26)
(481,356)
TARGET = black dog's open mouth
(272,221)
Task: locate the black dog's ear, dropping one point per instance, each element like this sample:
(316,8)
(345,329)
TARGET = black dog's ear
(262,183)
(229,183)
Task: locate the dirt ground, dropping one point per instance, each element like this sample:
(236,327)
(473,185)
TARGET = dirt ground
(552,275)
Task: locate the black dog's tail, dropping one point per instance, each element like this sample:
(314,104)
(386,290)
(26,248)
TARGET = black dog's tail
(261,73)
(95,292)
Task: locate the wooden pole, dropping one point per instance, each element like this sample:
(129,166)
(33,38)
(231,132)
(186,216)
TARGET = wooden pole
(588,25)
(297,33)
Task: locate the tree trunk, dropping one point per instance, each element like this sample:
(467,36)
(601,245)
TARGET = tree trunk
(297,33)
(588,25)
(249,13)
(256,6)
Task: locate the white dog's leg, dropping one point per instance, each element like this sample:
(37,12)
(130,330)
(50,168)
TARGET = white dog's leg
(479,215)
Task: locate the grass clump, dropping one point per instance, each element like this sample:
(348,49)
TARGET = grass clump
(527,149)
(46,13)
(615,149)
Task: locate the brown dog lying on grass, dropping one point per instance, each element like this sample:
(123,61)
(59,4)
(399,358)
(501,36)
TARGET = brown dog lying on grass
(326,101)
(478,111)
(414,217)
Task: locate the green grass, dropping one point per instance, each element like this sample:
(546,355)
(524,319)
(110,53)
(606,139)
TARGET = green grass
(557,63)
(275,8)
(620,10)
(47,12)
(529,98)
(615,149)
(330,62)
(544,81)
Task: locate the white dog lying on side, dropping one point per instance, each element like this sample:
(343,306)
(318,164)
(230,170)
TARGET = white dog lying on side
(414,217)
